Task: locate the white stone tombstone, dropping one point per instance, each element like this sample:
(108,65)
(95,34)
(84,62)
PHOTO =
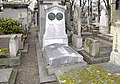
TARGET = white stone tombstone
(13,45)
(76,38)
(55,25)
(115,54)
(104,22)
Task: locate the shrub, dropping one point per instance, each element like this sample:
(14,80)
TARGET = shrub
(10,26)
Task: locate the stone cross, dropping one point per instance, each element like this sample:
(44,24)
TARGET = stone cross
(13,45)
(55,25)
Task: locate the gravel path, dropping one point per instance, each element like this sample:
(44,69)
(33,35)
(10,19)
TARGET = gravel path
(28,69)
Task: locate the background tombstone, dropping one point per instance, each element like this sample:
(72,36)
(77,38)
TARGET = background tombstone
(104,22)
(13,45)
(76,38)
(115,54)
(55,25)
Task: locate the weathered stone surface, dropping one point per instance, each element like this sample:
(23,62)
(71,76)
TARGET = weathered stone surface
(94,60)
(5,75)
(11,61)
(93,74)
(58,54)
(107,37)
(96,51)
(8,76)
(91,46)
(13,46)
(115,54)
(4,41)
(104,22)
(55,25)
(115,57)
(51,69)
(76,41)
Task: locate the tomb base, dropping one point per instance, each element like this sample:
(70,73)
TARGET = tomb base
(52,69)
(11,61)
(115,57)
(76,41)
(95,51)
(58,56)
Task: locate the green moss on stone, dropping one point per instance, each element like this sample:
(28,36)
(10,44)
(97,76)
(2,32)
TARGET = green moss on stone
(89,75)
(4,50)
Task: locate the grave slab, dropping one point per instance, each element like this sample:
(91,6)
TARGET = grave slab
(7,76)
(92,74)
(58,54)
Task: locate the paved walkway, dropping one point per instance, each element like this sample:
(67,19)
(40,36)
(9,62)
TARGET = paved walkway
(28,69)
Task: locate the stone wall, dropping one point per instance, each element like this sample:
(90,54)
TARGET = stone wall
(4,42)
(16,14)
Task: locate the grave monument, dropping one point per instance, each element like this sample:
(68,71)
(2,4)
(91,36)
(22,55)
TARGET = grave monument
(56,50)
(104,22)
(76,38)
(95,51)
(115,54)
(55,26)
(10,53)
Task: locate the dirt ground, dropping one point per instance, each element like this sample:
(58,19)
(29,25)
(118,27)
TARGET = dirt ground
(28,69)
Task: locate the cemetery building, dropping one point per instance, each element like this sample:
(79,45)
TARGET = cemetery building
(18,11)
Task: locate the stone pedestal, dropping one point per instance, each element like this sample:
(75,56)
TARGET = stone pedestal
(76,41)
(115,58)
(13,45)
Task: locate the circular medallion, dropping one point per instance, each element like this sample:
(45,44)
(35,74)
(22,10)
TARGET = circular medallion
(51,16)
(59,16)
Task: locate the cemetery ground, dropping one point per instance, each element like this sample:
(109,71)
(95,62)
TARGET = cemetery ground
(28,68)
